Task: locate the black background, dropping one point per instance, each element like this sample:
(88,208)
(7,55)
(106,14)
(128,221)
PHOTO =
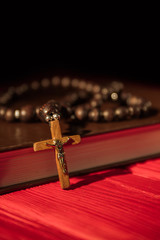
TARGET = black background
(23,67)
(25,55)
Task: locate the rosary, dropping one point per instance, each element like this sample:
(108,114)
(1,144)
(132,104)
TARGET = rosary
(84,103)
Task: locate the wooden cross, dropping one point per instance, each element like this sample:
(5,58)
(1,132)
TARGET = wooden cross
(57,142)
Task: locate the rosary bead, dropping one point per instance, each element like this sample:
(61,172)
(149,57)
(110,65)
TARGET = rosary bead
(72,99)
(82,85)
(86,100)
(144,111)
(98,97)
(73,117)
(9,115)
(114,96)
(147,104)
(94,103)
(94,115)
(83,95)
(96,88)
(49,111)
(146,108)
(80,113)
(124,96)
(45,82)
(65,82)
(27,113)
(117,86)
(37,110)
(105,93)
(108,115)
(17,114)
(4,99)
(121,113)
(137,111)
(130,112)
(2,112)
(89,87)
(87,106)
(22,89)
(56,81)
(110,91)
(11,91)
(35,85)
(75,83)
(134,101)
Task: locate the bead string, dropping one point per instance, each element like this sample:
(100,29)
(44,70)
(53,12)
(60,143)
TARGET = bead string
(83,104)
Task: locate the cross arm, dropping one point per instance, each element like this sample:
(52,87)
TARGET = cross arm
(75,139)
(38,146)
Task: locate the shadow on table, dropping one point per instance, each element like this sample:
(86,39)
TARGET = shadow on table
(95,177)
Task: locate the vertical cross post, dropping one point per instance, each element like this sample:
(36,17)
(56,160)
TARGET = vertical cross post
(57,142)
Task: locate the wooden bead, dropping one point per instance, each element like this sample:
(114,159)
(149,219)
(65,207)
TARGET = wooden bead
(94,115)
(137,111)
(17,114)
(35,85)
(2,112)
(96,88)
(82,85)
(56,81)
(37,110)
(89,87)
(147,106)
(75,83)
(9,115)
(83,95)
(45,82)
(72,98)
(117,86)
(22,89)
(4,99)
(98,97)
(145,111)
(130,112)
(80,113)
(47,111)
(135,101)
(108,115)
(11,91)
(95,103)
(65,82)
(27,113)
(121,113)
(105,93)
(124,96)
(114,96)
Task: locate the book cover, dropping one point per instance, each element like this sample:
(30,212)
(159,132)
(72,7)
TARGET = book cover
(16,141)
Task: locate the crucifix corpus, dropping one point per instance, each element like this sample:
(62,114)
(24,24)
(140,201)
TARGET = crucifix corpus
(56,142)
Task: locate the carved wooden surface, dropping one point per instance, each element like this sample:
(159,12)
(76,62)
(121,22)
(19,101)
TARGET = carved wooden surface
(56,135)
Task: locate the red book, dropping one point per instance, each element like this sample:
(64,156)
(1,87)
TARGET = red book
(103,145)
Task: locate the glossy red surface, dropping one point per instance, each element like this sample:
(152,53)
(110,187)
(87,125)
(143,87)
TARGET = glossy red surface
(122,203)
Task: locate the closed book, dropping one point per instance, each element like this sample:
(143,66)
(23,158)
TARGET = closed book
(103,145)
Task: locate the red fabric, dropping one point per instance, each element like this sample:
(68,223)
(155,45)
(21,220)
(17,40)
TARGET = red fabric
(122,203)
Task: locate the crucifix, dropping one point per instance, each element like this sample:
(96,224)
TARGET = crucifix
(57,143)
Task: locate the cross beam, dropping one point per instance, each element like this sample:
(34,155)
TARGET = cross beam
(57,142)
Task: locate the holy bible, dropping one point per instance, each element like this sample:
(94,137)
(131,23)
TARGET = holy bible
(103,145)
